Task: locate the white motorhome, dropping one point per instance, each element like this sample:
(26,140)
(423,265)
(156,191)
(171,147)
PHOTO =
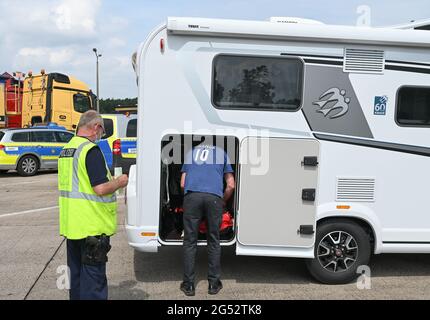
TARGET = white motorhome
(338,117)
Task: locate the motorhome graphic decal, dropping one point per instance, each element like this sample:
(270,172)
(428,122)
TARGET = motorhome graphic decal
(340,103)
(330,103)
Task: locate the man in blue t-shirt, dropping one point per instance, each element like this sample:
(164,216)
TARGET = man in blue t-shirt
(202,180)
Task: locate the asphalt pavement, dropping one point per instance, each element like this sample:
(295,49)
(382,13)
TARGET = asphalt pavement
(32,260)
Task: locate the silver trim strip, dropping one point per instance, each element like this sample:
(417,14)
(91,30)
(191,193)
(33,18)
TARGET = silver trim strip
(86,196)
(75,194)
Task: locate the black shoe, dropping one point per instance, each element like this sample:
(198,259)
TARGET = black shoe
(214,288)
(188,289)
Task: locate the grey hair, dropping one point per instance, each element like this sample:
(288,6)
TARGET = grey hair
(89,118)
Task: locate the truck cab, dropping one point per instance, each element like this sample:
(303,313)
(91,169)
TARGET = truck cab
(55,97)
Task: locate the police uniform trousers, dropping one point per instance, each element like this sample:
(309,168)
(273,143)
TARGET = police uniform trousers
(87,282)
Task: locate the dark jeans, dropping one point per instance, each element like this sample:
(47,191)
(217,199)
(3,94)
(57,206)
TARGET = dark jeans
(86,282)
(199,205)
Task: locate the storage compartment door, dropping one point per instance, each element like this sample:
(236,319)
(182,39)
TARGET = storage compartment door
(277,208)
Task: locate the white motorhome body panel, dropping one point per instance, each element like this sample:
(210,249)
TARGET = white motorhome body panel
(384,127)
(304,32)
(271,208)
(175,98)
(397,213)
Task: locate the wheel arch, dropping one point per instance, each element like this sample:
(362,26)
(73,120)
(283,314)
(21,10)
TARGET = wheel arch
(39,160)
(366,225)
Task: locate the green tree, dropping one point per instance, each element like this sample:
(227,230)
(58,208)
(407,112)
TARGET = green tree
(109,105)
(255,87)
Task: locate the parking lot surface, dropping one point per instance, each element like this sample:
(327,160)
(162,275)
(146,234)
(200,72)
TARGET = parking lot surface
(32,256)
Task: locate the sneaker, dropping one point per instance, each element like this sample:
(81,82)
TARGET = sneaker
(214,288)
(188,289)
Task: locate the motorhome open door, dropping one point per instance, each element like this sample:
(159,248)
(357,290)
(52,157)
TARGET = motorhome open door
(277,196)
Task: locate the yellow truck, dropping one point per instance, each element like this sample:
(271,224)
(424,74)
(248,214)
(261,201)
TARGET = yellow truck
(55,97)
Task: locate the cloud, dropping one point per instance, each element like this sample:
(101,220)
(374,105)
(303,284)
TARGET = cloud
(28,57)
(75,16)
(59,35)
(49,22)
(51,34)
(117,42)
(124,61)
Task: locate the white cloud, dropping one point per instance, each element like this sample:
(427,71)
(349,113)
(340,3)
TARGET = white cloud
(117,42)
(60,57)
(59,35)
(36,56)
(124,61)
(76,16)
(56,35)
(119,22)
(49,22)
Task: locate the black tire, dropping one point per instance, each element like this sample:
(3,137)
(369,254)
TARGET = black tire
(338,263)
(27,166)
(3,171)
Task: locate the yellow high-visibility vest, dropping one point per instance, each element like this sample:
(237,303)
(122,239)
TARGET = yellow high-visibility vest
(82,212)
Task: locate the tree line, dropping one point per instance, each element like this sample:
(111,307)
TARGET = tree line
(109,105)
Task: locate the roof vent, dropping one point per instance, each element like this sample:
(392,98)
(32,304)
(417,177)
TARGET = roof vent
(364,61)
(355,189)
(294,20)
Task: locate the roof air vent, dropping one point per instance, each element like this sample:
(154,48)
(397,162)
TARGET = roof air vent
(364,61)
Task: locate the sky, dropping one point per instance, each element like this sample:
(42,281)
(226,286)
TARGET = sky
(59,35)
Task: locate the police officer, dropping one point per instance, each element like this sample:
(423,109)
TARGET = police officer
(87,208)
(202,177)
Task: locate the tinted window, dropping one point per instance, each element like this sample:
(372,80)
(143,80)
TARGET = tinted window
(93,100)
(64,136)
(257,83)
(108,124)
(81,103)
(132,128)
(413,106)
(1,135)
(43,136)
(21,137)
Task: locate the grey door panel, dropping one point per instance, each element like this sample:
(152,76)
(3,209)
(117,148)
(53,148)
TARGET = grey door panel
(271,209)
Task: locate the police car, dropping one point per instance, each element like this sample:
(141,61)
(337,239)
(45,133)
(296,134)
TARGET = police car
(29,149)
(120,140)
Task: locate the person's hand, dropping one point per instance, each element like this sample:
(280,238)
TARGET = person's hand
(122,180)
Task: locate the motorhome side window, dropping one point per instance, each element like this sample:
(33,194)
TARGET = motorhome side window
(413,106)
(257,83)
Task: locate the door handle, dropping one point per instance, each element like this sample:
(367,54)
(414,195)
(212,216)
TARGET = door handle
(306,230)
(308,194)
(310,161)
